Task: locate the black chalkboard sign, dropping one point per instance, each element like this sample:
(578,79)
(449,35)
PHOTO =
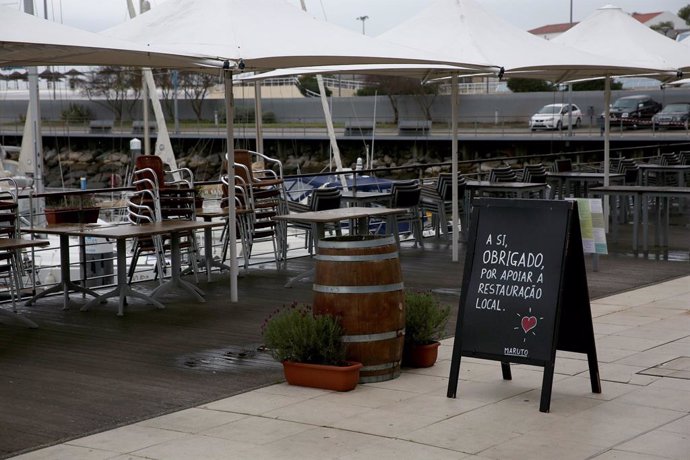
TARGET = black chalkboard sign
(524,291)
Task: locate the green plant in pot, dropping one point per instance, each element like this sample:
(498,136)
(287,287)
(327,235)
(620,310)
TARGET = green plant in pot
(425,322)
(310,348)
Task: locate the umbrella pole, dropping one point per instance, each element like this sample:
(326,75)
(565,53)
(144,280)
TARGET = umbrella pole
(607,153)
(232,218)
(258,117)
(454,164)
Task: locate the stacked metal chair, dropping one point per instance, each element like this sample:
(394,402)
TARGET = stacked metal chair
(10,260)
(503,174)
(174,199)
(266,197)
(437,200)
(244,219)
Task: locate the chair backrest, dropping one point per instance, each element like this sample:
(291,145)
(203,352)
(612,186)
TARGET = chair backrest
(445,189)
(535,173)
(502,174)
(143,205)
(325,198)
(244,158)
(670,158)
(629,167)
(684,156)
(149,167)
(9,220)
(563,165)
(406,194)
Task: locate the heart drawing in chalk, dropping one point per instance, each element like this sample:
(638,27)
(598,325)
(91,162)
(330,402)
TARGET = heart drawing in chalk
(528,323)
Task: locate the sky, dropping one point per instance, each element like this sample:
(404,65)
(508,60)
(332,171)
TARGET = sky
(95,15)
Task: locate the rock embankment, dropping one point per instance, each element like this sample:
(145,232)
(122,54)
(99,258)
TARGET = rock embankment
(104,169)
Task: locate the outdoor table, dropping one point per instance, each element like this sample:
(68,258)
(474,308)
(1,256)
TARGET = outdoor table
(319,219)
(66,285)
(583,180)
(641,195)
(13,244)
(646,168)
(120,233)
(208,215)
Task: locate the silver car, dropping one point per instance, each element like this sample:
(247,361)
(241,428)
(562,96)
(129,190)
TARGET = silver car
(674,115)
(556,116)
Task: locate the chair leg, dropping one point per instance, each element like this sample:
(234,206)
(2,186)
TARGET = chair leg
(133,265)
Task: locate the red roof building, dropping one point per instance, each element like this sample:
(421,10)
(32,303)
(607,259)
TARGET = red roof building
(550,31)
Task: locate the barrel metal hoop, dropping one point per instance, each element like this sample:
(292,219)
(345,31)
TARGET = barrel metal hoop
(360,258)
(352,338)
(358,289)
(379,378)
(373,243)
(380,367)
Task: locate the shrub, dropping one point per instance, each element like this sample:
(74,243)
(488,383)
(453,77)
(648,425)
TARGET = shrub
(294,333)
(76,113)
(425,317)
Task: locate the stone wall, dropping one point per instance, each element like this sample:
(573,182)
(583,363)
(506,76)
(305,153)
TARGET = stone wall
(105,168)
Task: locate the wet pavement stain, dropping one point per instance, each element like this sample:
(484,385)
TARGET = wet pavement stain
(229,359)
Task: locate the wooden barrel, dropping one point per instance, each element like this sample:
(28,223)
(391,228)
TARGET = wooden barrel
(358,278)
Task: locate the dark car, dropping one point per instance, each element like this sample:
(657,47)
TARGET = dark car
(633,111)
(674,115)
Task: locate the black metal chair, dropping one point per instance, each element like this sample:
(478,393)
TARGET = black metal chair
(10,260)
(407,194)
(437,200)
(503,174)
(320,199)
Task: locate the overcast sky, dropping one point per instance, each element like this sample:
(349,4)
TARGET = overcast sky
(97,15)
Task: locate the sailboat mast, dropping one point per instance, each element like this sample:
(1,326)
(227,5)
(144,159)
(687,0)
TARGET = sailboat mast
(34,112)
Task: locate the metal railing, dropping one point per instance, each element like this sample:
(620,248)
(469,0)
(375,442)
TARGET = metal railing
(94,266)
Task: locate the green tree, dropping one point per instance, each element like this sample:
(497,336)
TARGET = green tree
(309,87)
(529,85)
(664,28)
(164,82)
(684,13)
(595,85)
(394,87)
(196,86)
(117,88)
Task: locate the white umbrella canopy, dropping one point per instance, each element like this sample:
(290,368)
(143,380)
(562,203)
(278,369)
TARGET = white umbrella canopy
(611,33)
(256,35)
(29,40)
(423,72)
(263,35)
(461,27)
(464,28)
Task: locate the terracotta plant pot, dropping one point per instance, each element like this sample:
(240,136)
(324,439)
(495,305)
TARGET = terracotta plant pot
(336,378)
(72,215)
(418,355)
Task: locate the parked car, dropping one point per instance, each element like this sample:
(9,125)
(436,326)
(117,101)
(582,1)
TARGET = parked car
(556,116)
(633,111)
(674,115)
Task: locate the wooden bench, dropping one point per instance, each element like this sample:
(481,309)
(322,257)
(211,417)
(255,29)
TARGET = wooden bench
(359,127)
(138,127)
(414,127)
(101,126)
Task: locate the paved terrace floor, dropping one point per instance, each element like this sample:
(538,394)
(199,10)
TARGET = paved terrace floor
(642,413)
(113,379)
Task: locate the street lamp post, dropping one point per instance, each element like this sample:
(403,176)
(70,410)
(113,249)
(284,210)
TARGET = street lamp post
(363,19)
